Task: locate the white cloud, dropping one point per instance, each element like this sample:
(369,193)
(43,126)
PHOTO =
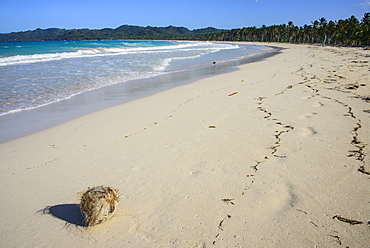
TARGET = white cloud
(365,3)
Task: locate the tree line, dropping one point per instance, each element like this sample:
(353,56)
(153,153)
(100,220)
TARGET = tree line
(120,33)
(350,31)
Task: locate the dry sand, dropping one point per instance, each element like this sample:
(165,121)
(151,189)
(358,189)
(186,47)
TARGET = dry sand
(199,166)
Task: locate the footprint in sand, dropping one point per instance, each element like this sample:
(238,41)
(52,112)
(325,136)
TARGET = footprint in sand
(308,131)
(318,104)
(308,97)
(307,115)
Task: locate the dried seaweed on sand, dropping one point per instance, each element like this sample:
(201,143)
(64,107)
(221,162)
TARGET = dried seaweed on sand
(98,204)
(351,222)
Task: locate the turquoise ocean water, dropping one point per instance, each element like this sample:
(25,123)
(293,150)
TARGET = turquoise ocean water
(46,83)
(35,74)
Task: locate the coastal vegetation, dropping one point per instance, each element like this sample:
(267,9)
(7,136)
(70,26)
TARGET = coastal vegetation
(120,33)
(350,31)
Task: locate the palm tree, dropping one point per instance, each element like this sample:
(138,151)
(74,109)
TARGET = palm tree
(366,29)
(331,31)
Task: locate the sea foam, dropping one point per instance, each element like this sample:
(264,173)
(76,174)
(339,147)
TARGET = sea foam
(35,74)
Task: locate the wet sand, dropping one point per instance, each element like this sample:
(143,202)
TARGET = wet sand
(19,124)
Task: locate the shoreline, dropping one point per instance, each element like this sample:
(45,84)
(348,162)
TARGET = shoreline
(267,155)
(25,122)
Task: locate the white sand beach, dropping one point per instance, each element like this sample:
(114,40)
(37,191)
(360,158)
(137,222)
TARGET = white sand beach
(265,156)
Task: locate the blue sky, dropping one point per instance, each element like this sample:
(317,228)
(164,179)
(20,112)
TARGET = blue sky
(22,15)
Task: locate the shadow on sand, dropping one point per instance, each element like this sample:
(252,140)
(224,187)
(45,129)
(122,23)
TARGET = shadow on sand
(69,213)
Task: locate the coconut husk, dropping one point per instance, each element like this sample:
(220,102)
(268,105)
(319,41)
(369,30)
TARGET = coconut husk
(98,204)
